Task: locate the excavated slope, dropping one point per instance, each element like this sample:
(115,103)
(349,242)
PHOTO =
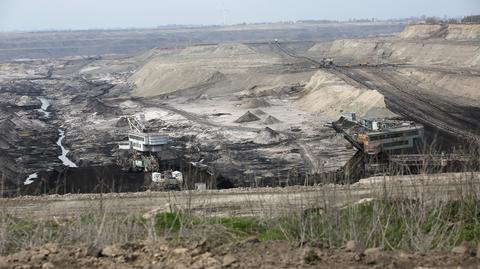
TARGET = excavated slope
(327,93)
(446,45)
(385,51)
(420,31)
(458,32)
(462,88)
(443,63)
(212,69)
(463,32)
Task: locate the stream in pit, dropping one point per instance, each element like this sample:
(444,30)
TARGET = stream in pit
(65,160)
(63,157)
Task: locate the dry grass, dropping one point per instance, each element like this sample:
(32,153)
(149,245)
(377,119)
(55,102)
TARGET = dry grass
(405,214)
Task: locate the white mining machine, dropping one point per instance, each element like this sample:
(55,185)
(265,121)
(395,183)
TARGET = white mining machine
(142,153)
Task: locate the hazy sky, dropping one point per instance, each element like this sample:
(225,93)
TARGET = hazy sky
(88,14)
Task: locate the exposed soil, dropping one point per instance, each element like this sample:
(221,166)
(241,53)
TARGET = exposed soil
(249,253)
(198,95)
(244,201)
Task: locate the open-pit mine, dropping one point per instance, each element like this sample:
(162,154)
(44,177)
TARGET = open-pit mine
(287,145)
(268,110)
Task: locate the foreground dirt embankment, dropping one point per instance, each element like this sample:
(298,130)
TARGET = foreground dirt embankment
(266,202)
(249,253)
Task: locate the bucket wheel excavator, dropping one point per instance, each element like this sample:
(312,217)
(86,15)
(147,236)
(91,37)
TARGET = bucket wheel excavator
(141,154)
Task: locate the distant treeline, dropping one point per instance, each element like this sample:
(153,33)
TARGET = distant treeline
(474,19)
(468,19)
(471,19)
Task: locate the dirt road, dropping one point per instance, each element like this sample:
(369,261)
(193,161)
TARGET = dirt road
(246,202)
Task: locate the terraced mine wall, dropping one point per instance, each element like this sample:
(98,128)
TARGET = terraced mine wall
(220,84)
(100,42)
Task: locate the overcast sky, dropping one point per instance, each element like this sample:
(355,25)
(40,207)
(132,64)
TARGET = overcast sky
(87,14)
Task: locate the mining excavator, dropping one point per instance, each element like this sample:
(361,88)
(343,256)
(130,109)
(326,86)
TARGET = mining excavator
(142,154)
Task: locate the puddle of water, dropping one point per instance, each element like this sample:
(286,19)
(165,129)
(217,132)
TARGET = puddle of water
(44,107)
(30,179)
(65,160)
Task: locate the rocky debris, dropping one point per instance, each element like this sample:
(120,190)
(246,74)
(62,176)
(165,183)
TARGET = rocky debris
(27,102)
(310,255)
(463,249)
(112,251)
(206,261)
(40,255)
(93,251)
(268,136)
(249,253)
(48,265)
(373,255)
(247,117)
(255,103)
(180,251)
(271,120)
(228,260)
(353,246)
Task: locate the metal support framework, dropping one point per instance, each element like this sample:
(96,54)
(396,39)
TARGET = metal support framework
(134,124)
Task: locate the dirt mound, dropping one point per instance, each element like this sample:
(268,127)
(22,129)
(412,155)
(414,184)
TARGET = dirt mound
(247,117)
(218,70)
(156,78)
(192,67)
(271,120)
(255,103)
(221,50)
(329,94)
(96,105)
(268,136)
(259,112)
